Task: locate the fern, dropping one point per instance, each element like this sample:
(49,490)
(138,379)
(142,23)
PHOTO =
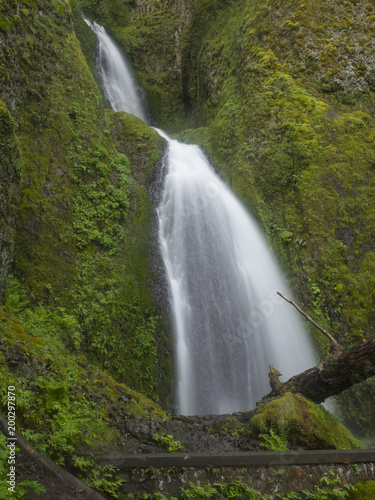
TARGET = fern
(274,442)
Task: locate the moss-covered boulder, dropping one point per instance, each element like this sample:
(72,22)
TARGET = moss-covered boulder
(365,490)
(303,423)
(10,174)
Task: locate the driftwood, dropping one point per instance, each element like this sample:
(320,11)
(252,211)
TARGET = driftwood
(64,476)
(337,372)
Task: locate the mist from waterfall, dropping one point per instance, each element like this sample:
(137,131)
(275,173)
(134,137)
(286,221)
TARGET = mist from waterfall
(229,322)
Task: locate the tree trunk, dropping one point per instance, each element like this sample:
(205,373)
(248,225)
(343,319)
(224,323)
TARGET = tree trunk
(334,374)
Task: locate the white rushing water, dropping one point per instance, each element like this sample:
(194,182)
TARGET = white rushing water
(119,85)
(230,324)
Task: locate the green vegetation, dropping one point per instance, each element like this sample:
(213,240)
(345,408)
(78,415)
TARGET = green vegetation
(234,489)
(329,488)
(168,442)
(85,217)
(65,402)
(365,490)
(10,173)
(101,478)
(273,442)
(226,425)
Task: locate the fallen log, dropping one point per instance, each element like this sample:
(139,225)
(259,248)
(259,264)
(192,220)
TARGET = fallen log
(337,372)
(333,375)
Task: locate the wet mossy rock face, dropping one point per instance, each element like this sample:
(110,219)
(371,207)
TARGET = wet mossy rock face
(10,173)
(282,94)
(286,93)
(303,423)
(85,211)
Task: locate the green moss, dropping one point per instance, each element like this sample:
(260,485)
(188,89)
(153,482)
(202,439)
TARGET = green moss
(305,424)
(365,490)
(86,38)
(10,173)
(227,425)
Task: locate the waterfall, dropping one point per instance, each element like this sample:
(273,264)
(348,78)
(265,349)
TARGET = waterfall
(119,86)
(229,322)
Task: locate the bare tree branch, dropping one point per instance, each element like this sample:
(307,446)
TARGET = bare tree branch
(335,346)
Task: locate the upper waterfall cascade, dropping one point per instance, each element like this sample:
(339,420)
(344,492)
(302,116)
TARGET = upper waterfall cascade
(229,322)
(119,85)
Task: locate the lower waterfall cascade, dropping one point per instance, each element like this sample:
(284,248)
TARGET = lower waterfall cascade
(229,322)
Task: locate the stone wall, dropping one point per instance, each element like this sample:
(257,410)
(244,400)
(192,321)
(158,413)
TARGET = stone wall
(274,479)
(270,473)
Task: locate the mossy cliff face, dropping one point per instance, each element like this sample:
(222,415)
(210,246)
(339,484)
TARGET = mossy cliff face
(10,173)
(286,92)
(286,118)
(281,96)
(83,210)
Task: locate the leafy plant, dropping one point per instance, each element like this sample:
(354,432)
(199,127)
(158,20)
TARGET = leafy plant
(233,489)
(201,491)
(329,488)
(156,496)
(355,469)
(105,479)
(291,495)
(274,442)
(168,442)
